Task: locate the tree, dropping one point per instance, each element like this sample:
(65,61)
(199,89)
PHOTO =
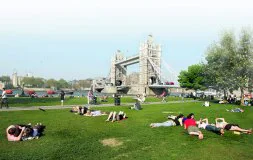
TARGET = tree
(244,62)
(5,79)
(229,63)
(221,59)
(51,83)
(62,84)
(33,82)
(193,78)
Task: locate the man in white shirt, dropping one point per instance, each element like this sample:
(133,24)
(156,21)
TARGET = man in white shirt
(4,99)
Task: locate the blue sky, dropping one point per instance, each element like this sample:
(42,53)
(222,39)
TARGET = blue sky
(75,39)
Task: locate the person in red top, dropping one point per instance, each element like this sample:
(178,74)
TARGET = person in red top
(190,125)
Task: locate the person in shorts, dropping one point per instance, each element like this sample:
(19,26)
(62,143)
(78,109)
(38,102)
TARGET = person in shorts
(114,116)
(191,127)
(221,123)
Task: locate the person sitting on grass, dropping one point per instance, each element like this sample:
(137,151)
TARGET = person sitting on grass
(235,110)
(223,101)
(15,132)
(174,121)
(221,123)
(206,104)
(190,126)
(114,116)
(104,98)
(203,124)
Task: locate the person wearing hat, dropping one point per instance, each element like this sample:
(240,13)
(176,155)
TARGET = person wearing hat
(4,99)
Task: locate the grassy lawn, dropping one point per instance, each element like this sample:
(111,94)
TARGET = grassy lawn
(70,136)
(27,101)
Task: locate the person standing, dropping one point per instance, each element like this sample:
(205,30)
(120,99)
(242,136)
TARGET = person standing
(62,95)
(89,96)
(4,99)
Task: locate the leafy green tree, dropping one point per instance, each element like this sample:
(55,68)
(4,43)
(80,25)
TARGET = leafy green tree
(221,59)
(5,79)
(28,81)
(33,82)
(229,63)
(51,83)
(62,84)
(244,62)
(193,78)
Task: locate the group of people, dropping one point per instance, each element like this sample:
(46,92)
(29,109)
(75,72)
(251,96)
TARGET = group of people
(86,111)
(24,132)
(193,127)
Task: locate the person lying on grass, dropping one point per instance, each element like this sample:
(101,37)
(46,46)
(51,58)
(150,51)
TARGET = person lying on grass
(87,111)
(203,124)
(33,132)
(221,123)
(94,113)
(114,116)
(190,126)
(23,132)
(173,121)
(235,110)
(79,110)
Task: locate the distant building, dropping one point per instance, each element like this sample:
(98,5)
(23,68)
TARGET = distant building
(16,80)
(2,85)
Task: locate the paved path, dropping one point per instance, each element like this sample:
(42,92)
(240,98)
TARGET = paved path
(70,106)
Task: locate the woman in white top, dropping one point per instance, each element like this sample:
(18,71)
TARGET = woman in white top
(203,123)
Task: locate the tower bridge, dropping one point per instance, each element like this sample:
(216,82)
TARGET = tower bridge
(150,76)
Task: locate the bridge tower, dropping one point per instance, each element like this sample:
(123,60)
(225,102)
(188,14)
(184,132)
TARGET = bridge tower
(149,59)
(150,64)
(118,72)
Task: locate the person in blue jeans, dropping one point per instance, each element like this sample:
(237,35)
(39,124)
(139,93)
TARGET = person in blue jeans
(173,121)
(203,124)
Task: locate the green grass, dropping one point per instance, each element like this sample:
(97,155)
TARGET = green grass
(70,136)
(27,101)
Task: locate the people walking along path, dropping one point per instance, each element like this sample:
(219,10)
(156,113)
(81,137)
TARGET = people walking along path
(70,106)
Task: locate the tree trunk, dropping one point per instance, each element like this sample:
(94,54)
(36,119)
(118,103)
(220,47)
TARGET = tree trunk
(225,95)
(242,96)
